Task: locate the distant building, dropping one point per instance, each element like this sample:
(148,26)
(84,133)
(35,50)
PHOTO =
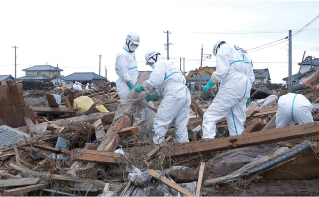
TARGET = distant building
(47,70)
(6,78)
(58,81)
(307,68)
(84,78)
(41,78)
(262,76)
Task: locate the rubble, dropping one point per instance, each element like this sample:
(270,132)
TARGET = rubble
(62,151)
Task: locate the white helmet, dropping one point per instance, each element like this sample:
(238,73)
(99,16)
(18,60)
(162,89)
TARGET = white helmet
(132,41)
(217,46)
(151,56)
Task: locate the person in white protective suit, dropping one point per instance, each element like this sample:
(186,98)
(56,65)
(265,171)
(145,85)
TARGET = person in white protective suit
(235,73)
(293,108)
(170,83)
(87,86)
(126,66)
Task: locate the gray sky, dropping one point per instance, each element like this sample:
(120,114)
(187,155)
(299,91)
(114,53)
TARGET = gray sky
(74,33)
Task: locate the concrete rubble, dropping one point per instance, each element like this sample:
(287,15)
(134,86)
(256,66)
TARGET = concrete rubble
(49,146)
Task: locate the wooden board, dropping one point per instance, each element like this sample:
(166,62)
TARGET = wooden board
(94,156)
(18,182)
(54,109)
(199,110)
(257,125)
(169,183)
(22,190)
(200,179)
(47,148)
(129,131)
(51,100)
(261,137)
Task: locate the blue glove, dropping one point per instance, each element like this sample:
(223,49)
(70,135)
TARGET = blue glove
(208,86)
(130,85)
(139,89)
(150,97)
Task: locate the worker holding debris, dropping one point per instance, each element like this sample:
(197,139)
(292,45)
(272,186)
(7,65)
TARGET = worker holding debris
(170,83)
(235,73)
(293,108)
(126,66)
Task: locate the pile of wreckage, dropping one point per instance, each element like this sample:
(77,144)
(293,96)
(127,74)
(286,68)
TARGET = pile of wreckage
(83,148)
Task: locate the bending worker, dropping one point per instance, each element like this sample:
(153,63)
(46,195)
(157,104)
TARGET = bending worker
(293,108)
(235,73)
(170,83)
(126,66)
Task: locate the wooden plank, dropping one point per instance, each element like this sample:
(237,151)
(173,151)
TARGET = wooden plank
(199,110)
(6,156)
(261,137)
(51,100)
(71,97)
(67,101)
(54,109)
(47,148)
(106,187)
(18,182)
(22,190)
(251,109)
(111,140)
(129,131)
(92,109)
(169,183)
(150,154)
(94,156)
(17,155)
(257,125)
(99,129)
(200,179)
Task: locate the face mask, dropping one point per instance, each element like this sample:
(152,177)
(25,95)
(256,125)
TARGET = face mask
(133,47)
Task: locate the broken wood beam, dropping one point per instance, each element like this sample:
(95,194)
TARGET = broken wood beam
(54,109)
(199,110)
(22,190)
(129,131)
(18,182)
(47,148)
(169,183)
(257,125)
(92,109)
(94,156)
(261,137)
(200,179)
(51,100)
(6,156)
(99,129)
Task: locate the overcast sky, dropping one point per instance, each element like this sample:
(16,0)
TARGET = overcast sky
(74,33)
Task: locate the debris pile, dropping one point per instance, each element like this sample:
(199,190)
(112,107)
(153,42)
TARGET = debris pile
(65,151)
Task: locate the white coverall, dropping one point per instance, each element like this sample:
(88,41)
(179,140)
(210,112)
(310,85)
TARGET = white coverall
(235,72)
(170,83)
(126,69)
(293,108)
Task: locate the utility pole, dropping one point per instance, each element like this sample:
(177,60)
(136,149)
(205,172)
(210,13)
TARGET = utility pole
(105,73)
(183,65)
(167,45)
(100,65)
(290,61)
(15,61)
(201,57)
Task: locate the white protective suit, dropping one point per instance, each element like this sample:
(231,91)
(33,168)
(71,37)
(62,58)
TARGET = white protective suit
(235,72)
(170,83)
(126,69)
(293,108)
(87,86)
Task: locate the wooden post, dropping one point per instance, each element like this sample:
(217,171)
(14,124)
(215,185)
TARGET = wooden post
(200,179)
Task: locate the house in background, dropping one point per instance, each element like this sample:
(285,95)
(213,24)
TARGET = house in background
(307,68)
(58,81)
(46,70)
(84,78)
(6,78)
(262,76)
(41,78)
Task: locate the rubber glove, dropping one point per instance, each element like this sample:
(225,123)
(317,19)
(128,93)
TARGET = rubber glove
(130,85)
(150,97)
(139,89)
(208,86)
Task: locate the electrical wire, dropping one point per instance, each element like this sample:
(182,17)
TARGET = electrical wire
(88,190)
